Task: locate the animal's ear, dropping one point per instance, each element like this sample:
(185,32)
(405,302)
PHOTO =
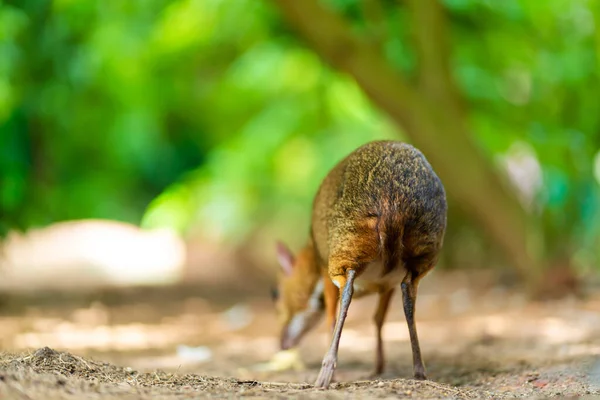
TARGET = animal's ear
(285,258)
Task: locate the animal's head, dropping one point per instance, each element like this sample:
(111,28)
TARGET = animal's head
(299,294)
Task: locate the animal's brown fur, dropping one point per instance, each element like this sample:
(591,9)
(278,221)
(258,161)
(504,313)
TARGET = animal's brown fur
(383,200)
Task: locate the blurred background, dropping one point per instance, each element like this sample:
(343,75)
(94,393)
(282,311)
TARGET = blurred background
(171,143)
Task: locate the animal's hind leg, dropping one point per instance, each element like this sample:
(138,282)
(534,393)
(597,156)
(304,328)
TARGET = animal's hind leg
(410,285)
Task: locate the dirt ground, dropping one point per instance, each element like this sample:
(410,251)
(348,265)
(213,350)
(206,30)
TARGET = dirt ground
(176,343)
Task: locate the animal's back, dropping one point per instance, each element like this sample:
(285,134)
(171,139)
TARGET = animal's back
(387,189)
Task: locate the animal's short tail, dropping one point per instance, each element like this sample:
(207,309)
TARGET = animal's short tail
(391,231)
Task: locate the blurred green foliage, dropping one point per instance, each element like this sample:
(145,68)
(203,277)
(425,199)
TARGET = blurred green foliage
(211,116)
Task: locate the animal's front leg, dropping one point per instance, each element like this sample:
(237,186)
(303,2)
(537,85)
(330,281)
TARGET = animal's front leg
(382,308)
(331,297)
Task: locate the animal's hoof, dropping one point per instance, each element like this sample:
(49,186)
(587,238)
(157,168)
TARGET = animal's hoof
(326,373)
(420,376)
(375,374)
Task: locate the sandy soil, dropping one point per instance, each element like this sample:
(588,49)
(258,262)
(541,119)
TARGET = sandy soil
(174,344)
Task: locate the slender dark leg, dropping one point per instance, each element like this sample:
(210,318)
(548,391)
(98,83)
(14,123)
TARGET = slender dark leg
(330,359)
(409,297)
(382,308)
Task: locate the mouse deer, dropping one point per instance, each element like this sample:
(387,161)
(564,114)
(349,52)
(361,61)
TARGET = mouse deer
(378,222)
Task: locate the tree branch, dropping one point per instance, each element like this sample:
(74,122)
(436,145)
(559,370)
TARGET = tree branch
(330,36)
(374,16)
(431,38)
